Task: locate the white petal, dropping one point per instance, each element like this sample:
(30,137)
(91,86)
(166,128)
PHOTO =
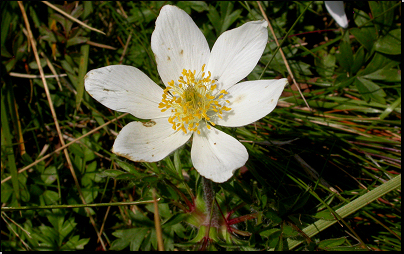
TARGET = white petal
(236,52)
(336,9)
(177,44)
(251,101)
(125,89)
(216,155)
(151,141)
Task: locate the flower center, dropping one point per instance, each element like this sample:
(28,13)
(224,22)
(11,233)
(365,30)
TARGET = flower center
(192,100)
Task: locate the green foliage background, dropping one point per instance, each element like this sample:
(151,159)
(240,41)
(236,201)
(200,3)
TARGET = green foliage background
(302,165)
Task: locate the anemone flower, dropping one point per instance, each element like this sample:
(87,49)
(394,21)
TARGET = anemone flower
(202,89)
(336,9)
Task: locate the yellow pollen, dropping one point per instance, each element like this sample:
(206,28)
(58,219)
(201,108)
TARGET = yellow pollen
(194,98)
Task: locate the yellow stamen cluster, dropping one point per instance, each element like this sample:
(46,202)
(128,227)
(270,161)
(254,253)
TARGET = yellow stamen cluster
(191,99)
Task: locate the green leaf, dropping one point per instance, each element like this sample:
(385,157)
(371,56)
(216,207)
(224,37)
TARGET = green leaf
(391,108)
(141,219)
(137,241)
(50,197)
(49,175)
(6,192)
(325,63)
(386,74)
(84,50)
(175,219)
(34,64)
(273,216)
(198,6)
(379,61)
(360,17)
(6,141)
(164,210)
(126,177)
(365,36)
(133,236)
(130,168)
(325,244)
(345,56)
(359,60)
(324,215)
(111,173)
(384,21)
(267,233)
(390,43)
(89,194)
(76,40)
(370,90)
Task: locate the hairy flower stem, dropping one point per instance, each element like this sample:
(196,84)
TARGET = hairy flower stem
(209,196)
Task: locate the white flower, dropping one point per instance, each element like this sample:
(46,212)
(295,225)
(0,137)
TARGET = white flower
(336,9)
(201,91)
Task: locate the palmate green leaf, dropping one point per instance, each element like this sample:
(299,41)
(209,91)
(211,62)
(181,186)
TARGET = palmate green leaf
(390,43)
(132,236)
(75,243)
(137,241)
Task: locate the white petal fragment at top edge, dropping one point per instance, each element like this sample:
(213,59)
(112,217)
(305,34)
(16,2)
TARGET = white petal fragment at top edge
(337,12)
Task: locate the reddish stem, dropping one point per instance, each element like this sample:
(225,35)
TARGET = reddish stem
(234,209)
(242,218)
(190,205)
